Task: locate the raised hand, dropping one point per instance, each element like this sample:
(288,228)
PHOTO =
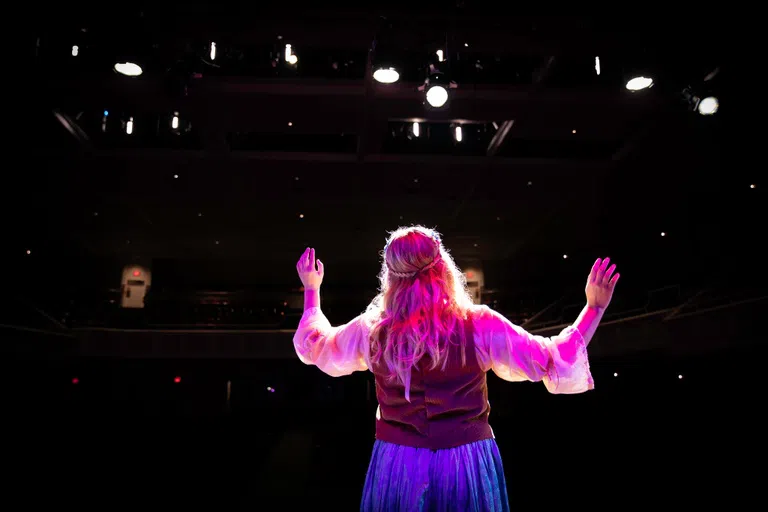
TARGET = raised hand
(600,284)
(310,277)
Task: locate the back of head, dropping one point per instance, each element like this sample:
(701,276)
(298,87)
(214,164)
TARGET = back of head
(422,297)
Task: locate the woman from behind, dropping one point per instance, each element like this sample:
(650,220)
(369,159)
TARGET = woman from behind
(429,348)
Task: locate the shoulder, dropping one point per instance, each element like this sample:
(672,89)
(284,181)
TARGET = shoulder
(480,312)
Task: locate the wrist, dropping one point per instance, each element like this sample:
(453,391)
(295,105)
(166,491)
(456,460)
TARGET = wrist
(597,308)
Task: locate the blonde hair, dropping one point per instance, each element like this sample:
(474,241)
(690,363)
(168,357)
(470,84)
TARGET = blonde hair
(422,299)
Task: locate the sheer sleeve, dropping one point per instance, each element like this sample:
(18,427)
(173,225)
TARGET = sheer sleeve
(514,354)
(336,351)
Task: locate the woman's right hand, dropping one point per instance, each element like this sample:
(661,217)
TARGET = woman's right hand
(600,285)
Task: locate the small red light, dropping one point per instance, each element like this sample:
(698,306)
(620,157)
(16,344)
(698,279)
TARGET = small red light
(177,379)
(470,275)
(136,273)
(75,380)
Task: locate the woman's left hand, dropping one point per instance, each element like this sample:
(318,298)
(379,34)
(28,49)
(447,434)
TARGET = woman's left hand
(310,278)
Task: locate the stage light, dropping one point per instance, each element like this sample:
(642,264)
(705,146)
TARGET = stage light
(573,131)
(136,273)
(177,379)
(128,68)
(415,129)
(663,233)
(75,380)
(639,82)
(708,106)
(458,134)
(213,50)
(386,75)
(301,215)
(216,242)
(129,126)
(290,57)
(29,252)
(106,113)
(175,121)
(75,50)
(615,374)
(565,256)
(437,96)
(439,55)
(752,186)
(466,45)
(175,176)
(597,65)
(680,377)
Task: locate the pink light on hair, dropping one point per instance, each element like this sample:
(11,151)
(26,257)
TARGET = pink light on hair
(422,298)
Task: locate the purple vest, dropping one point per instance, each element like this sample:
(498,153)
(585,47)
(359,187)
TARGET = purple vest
(447,408)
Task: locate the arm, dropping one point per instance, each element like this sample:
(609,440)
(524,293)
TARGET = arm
(514,354)
(560,361)
(335,350)
(311,298)
(588,321)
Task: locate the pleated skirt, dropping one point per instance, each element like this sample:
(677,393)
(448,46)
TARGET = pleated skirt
(405,479)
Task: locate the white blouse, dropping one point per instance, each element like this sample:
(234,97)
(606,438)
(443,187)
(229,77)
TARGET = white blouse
(512,353)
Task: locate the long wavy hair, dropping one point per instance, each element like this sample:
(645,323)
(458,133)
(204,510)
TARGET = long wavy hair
(422,298)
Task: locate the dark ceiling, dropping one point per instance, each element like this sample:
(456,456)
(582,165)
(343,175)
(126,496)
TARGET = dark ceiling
(586,168)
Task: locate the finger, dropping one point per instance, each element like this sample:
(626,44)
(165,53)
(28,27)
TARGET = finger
(593,272)
(614,280)
(305,258)
(608,273)
(601,270)
(312,259)
(320,268)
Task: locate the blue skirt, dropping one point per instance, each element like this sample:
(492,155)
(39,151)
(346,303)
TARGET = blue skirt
(406,479)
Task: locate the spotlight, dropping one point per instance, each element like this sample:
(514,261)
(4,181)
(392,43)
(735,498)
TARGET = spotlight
(290,57)
(708,106)
(705,106)
(436,88)
(440,56)
(639,82)
(129,126)
(386,75)
(415,129)
(458,134)
(175,121)
(437,96)
(597,65)
(75,50)
(128,68)
(213,50)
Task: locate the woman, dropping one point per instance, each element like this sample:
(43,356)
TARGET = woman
(429,348)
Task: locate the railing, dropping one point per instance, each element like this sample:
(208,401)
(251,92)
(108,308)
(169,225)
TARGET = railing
(276,311)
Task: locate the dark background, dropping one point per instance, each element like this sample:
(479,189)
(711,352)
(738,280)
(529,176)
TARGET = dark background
(222,238)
